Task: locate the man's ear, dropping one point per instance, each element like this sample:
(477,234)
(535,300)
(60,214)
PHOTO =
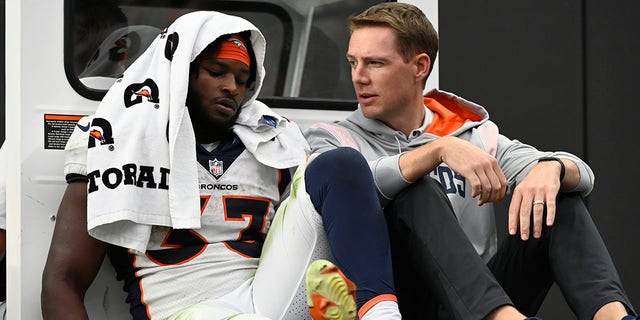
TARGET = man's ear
(423,64)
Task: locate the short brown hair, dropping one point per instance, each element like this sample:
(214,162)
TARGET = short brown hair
(413,30)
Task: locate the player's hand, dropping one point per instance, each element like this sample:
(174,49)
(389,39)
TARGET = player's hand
(479,168)
(536,192)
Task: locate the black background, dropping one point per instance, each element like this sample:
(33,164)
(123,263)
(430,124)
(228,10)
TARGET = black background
(560,75)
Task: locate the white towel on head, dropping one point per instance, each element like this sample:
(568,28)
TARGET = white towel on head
(141,161)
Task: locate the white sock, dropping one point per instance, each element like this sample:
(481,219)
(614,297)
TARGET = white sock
(383,310)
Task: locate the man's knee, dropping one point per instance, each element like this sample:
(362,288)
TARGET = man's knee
(571,207)
(424,197)
(339,159)
(570,200)
(341,163)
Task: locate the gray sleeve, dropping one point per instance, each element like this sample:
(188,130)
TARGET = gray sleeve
(587,177)
(387,176)
(321,140)
(516,160)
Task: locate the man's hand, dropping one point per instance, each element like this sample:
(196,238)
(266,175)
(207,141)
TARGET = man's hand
(479,168)
(537,191)
(476,165)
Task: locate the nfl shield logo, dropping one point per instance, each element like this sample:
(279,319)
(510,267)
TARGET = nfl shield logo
(215,166)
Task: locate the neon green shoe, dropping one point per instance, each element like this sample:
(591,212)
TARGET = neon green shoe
(330,295)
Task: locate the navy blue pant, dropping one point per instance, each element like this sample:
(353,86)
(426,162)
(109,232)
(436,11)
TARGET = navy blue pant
(343,192)
(439,275)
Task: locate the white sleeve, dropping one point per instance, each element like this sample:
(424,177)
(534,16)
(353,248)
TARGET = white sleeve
(76,149)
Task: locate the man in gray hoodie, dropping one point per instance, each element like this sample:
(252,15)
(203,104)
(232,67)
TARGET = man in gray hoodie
(443,235)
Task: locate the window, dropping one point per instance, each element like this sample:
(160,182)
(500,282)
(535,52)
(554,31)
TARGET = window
(306,42)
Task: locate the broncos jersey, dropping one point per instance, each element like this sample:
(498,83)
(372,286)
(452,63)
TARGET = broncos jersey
(238,196)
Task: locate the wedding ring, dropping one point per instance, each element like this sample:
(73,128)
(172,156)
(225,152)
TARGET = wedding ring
(538,202)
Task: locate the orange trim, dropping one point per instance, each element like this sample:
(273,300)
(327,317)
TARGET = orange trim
(245,217)
(140,286)
(144,303)
(62,117)
(204,200)
(234,48)
(447,118)
(367,306)
(166,244)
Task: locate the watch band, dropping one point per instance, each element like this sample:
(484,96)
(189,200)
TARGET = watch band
(562,167)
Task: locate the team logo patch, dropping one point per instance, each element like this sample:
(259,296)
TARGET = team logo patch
(83,127)
(216,168)
(237,42)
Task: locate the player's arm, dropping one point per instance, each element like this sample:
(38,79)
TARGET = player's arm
(74,258)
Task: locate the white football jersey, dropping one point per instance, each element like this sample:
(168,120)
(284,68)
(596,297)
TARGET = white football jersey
(238,197)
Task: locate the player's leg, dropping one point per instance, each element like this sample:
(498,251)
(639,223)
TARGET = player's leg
(295,239)
(341,187)
(237,304)
(213,311)
(354,224)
